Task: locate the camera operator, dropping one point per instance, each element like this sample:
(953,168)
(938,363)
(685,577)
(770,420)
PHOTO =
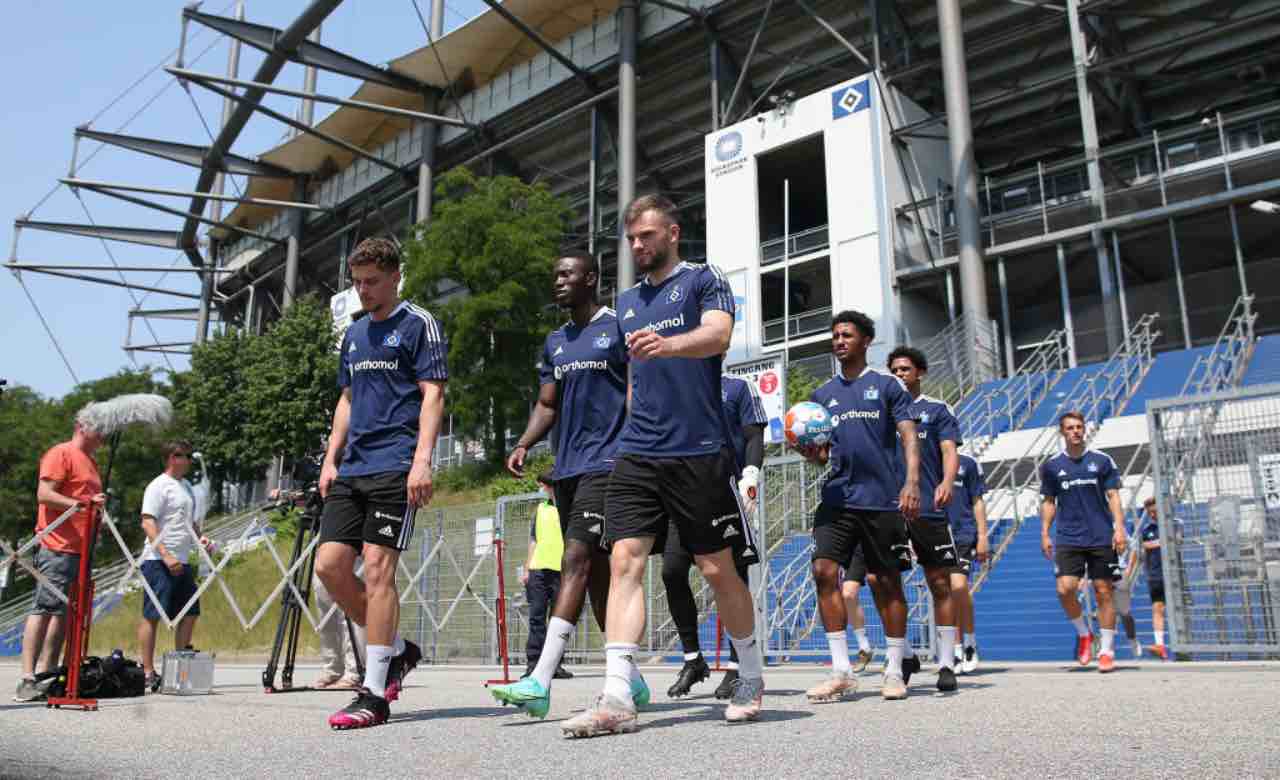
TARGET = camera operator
(68,478)
(168,519)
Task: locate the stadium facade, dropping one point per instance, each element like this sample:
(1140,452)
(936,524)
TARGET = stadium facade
(1098,128)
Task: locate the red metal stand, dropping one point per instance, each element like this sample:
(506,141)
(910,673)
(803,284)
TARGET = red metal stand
(500,610)
(79,620)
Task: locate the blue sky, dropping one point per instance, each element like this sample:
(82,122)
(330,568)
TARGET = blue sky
(68,61)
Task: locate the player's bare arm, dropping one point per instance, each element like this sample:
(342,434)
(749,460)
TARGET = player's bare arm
(419,487)
(1118,539)
(337,440)
(1048,508)
(909,498)
(709,339)
(950,467)
(541,420)
(983,548)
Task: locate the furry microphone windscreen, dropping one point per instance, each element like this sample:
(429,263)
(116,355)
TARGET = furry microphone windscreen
(108,417)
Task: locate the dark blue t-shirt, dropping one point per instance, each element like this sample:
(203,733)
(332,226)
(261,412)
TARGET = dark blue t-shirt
(381,363)
(1080,487)
(864,413)
(935,423)
(742,407)
(1155,558)
(968,487)
(589,367)
(675,402)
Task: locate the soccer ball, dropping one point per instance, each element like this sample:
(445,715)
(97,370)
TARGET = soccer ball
(807,425)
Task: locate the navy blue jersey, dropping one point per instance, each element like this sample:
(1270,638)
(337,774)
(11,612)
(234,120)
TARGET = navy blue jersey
(381,364)
(1080,488)
(1154,558)
(968,487)
(675,402)
(865,411)
(589,368)
(742,407)
(935,423)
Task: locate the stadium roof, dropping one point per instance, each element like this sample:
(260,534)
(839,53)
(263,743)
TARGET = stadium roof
(474,54)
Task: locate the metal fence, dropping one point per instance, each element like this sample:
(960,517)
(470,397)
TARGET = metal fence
(1217,472)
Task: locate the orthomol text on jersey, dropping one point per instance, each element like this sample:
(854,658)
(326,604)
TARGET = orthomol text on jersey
(376,365)
(855,414)
(581,365)
(661,325)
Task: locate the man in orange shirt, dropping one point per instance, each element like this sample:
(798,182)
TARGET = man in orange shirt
(68,478)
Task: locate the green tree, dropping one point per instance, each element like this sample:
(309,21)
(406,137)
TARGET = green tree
(800,384)
(497,238)
(291,382)
(213,402)
(31,424)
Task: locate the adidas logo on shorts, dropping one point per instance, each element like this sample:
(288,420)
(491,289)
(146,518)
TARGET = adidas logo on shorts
(595,529)
(730,531)
(386,531)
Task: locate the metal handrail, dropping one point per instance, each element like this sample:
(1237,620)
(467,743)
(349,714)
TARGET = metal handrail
(1021,393)
(798,244)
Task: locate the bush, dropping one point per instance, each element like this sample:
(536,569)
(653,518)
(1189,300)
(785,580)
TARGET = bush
(508,485)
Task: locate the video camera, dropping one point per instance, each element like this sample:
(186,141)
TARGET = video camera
(305,472)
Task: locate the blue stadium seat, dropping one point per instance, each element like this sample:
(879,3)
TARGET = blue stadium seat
(1264,366)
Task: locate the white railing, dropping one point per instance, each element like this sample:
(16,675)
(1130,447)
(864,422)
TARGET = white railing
(954,372)
(1009,407)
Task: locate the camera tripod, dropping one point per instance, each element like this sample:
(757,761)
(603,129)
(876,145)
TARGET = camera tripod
(287,631)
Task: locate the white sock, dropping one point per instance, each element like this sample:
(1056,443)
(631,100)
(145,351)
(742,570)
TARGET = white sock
(377,661)
(946,638)
(1108,641)
(959,650)
(839,647)
(692,656)
(1081,628)
(398,645)
(863,643)
(619,661)
(558,632)
(894,647)
(750,661)
(1159,635)
(970,639)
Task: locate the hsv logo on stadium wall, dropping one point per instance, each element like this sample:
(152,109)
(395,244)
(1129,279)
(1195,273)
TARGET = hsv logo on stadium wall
(729,146)
(850,100)
(768,382)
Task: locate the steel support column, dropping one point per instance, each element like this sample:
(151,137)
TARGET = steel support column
(1124,305)
(964,169)
(1231,207)
(292,245)
(593,183)
(1097,189)
(219,186)
(1065,293)
(628,25)
(1177,278)
(430,132)
(1006,319)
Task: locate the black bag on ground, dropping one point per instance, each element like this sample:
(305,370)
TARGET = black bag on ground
(113,677)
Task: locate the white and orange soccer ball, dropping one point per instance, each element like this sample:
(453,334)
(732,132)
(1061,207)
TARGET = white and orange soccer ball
(807,424)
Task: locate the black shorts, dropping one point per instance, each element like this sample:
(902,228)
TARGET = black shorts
(371,509)
(1156,589)
(580,501)
(882,536)
(856,569)
(1100,563)
(933,543)
(966,553)
(698,494)
(672,545)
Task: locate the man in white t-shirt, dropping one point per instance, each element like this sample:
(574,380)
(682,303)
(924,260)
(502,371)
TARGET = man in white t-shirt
(168,519)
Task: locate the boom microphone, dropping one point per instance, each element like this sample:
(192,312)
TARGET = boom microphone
(110,417)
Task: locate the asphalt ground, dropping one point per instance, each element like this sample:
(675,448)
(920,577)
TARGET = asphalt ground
(1008,720)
